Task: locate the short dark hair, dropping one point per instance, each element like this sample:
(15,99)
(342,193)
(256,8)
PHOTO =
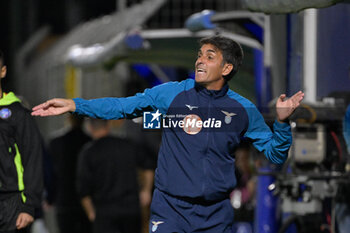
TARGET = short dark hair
(232,52)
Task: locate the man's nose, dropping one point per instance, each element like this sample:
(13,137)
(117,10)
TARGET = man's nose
(199,61)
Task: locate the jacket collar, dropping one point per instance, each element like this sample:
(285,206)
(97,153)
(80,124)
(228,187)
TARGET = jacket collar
(8,99)
(211,93)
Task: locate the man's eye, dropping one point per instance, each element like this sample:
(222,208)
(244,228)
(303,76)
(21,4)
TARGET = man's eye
(210,57)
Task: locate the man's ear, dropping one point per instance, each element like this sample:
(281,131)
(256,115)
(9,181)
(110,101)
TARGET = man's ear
(3,72)
(227,69)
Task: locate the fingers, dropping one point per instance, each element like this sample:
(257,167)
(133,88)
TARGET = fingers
(41,112)
(48,112)
(42,106)
(37,112)
(298,94)
(298,97)
(23,220)
(285,107)
(19,222)
(281,98)
(45,104)
(54,107)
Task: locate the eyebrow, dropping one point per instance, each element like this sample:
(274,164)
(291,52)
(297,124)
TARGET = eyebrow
(208,51)
(211,51)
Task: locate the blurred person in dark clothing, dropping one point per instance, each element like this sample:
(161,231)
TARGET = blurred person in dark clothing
(108,182)
(21,178)
(64,150)
(243,196)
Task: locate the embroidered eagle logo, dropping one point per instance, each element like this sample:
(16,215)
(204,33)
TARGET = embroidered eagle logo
(228,116)
(155,225)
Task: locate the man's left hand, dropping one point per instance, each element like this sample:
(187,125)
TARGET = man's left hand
(24,220)
(285,107)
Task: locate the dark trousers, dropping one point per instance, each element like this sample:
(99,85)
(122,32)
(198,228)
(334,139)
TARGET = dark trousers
(25,230)
(128,223)
(73,221)
(172,214)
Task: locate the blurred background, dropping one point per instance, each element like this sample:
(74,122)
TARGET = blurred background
(92,49)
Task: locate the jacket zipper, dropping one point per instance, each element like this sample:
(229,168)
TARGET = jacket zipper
(206,151)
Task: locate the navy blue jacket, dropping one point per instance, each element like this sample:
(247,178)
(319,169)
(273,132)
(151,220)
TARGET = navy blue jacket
(199,164)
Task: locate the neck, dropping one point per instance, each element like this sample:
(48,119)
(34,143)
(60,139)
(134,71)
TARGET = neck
(213,86)
(1,93)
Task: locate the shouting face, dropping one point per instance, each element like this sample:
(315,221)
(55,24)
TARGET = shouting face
(210,68)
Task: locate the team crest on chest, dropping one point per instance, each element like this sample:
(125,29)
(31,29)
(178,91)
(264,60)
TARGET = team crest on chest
(228,116)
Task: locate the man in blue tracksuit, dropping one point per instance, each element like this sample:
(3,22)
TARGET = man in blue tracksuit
(203,122)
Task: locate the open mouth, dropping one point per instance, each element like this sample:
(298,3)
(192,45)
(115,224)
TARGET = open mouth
(199,70)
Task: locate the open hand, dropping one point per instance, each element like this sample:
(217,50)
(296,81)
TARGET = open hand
(54,107)
(286,107)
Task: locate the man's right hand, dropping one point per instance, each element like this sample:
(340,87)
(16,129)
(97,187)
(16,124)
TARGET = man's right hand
(54,107)
(23,220)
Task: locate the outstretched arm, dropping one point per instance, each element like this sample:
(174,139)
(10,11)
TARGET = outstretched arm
(285,108)
(275,145)
(158,97)
(54,107)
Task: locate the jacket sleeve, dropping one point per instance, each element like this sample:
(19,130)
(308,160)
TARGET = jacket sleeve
(158,97)
(274,145)
(29,143)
